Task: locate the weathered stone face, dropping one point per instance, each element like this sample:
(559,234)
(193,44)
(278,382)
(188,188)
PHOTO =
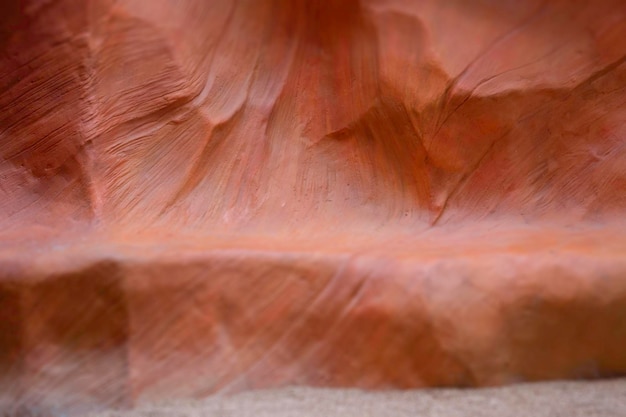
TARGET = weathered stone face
(210,196)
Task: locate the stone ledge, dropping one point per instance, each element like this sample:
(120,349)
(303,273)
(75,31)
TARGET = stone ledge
(120,323)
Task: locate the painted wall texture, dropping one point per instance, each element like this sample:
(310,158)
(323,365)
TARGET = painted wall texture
(204,196)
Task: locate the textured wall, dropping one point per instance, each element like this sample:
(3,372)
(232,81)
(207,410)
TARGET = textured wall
(197,115)
(201,196)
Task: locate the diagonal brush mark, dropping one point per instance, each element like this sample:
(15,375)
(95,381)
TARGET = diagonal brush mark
(356,296)
(488,79)
(201,162)
(463,180)
(602,72)
(320,296)
(449,90)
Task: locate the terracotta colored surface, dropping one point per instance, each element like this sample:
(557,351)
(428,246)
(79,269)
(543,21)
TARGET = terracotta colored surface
(210,196)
